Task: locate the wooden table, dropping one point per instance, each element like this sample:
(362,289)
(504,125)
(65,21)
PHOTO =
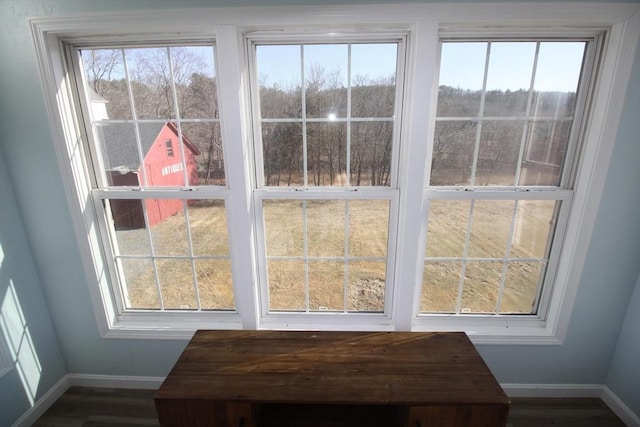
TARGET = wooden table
(330,379)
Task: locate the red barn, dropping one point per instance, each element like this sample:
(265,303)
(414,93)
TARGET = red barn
(163,167)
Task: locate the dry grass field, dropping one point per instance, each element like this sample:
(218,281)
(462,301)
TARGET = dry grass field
(330,258)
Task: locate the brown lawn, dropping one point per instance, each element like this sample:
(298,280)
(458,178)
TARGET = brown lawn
(330,258)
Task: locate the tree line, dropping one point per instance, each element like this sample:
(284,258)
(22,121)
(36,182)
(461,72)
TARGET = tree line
(348,132)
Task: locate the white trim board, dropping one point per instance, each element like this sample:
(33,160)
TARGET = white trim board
(115,381)
(553,390)
(619,408)
(153,383)
(41,405)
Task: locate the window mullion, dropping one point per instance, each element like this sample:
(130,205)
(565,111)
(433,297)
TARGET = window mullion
(305,255)
(303,113)
(346,256)
(349,118)
(465,254)
(417,134)
(240,208)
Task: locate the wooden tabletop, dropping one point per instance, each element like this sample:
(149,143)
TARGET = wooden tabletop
(403,368)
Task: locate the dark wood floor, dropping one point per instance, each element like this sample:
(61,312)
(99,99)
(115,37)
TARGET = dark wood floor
(100,407)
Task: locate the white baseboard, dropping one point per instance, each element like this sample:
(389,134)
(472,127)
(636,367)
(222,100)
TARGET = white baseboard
(115,381)
(153,383)
(619,408)
(553,390)
(41,405)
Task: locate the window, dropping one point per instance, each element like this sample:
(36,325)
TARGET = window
(326,175)
(169,146)
(168,246)
(500,175)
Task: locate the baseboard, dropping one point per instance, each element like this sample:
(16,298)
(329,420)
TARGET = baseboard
(115,381)
(553,390)
(153,383)
(619,408)
(41,405)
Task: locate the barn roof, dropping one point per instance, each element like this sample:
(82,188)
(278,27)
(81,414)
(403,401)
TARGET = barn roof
(118,141)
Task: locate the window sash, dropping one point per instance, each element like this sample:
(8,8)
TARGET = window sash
(262,192)
(269,39)
(362,194)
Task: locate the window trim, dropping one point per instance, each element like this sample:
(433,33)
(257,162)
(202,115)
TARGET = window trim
(425,21)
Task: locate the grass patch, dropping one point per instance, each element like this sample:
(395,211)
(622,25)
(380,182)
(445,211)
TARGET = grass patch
(317,248)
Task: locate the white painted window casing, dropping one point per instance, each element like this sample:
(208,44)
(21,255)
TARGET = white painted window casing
(424,25)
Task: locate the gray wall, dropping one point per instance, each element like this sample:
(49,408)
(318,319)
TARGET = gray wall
(23,309)
(624,373)
(607,281)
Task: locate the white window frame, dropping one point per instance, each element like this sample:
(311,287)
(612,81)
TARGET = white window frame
(306,320)
(497,324)
(620,23)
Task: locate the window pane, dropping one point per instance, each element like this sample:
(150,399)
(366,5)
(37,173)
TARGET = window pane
(368,228)
(280,81)
(509,78)
(557,76)
(129,226)
(498,153)
(282,151)
(481,286)
(139,283)
(286,285)
(440,284)
(208,224)
(447,228)
(203,148)
(176,283)
(168,227)
(151,82)
(371,144)
(373,77)
(461,77)
(521,287)
(215,285)
(119,148)
(533,228)
(195,80)
(284,227)
(452,156)
(490,229)
(325,68)
(105,80)
(544,153)
(327,154)
(326,286)
(313,237)
(325,228)
(366,285)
